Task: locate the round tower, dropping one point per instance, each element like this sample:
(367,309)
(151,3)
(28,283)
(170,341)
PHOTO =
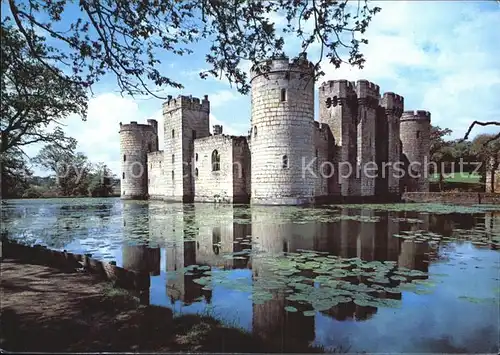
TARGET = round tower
(282,146)
(415,131)
(136,141)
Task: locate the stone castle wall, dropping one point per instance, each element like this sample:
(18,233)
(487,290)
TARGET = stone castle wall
(323,142)
(209,183)
(242,170)
(231,183)
(156,180)
(136,140)
(415,132)
(282,132)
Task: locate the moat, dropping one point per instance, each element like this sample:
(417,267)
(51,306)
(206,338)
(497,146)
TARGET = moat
(377,278)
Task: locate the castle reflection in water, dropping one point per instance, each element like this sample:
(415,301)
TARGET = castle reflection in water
(202,234)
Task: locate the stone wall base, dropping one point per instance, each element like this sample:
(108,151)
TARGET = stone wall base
(134,197)
(453,197)
(181,199)
(237,199)
(283,201)
(128,279)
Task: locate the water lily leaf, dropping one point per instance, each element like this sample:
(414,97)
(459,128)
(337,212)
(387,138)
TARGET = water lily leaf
(290,309)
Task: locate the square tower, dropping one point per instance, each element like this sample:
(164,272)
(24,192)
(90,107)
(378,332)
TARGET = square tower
(338,108)
(185,118)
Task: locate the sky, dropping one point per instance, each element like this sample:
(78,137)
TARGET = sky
(442,56)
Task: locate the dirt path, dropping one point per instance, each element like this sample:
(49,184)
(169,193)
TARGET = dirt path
(46,310)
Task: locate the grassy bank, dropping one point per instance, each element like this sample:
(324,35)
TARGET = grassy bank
(46,310)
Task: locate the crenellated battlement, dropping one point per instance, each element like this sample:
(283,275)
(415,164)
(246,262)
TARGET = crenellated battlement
(416,115)
(134,126)
(282,64)
(341,88)
(393,102)
(186,102)
(366,89)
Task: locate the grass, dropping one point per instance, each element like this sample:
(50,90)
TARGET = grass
(458,177)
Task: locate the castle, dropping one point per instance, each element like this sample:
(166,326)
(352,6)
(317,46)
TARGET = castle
(362,148)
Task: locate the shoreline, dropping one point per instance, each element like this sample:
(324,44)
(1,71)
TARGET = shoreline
(445,197)
(49,309)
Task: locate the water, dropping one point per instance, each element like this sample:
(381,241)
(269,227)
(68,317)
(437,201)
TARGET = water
(381,278)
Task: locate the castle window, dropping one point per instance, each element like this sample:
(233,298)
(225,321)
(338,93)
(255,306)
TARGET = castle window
(173,158)
(124,157)
(255,131)
(285,162)
(216,239)
(194,134)
(215,161)
(172,175)
(283,95)
(123,175)
(149,147)
(173,133)
(196,157)
(418,134)
(196,172)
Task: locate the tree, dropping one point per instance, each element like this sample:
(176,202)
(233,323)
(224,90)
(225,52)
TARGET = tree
(487,150)
(34,101)
(71,169)
(15,174)
(124,37)
(101,181)
(440,151)
(34,98)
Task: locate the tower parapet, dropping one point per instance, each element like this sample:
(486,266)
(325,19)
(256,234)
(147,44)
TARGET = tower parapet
(342,89)
(416,115)
(282,64)
(186,102)
(393,103)
(368,93)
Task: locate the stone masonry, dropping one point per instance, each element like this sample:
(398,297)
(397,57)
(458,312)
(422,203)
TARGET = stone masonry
(136,141)
(282,132)
(287,158)
(415,135)
(222,168)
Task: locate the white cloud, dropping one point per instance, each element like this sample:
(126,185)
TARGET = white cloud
(223,97)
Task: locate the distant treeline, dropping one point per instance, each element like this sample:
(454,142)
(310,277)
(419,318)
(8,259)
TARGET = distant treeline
(73,175)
